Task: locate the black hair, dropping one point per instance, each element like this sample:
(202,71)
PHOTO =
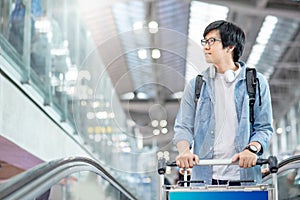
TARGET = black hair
(231,35)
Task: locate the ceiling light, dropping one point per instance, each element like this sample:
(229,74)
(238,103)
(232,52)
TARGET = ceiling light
(127,96)
(167,158)
(156,132)
(279,131)
(262,40)
(90,115)
(141,95)
(101,115)
(153,27)
(83,103)
(142,54)
(95,104)
(200,15)
(160,154)
(166,153)
(154,123)
(109,129)
(164,130)
(137,25)
(90,130)
(163,123)
(97,129)
(155,54)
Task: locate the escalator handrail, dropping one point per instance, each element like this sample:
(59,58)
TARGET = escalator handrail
(284,163)
(21,180)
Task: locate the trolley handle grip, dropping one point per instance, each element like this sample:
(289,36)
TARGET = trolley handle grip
(272,161)
(161,166)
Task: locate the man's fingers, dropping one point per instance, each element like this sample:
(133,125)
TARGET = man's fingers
(187,161)
(196,158)
(191,162)
(235,158)
(245,159)
(247,163)
(186,164)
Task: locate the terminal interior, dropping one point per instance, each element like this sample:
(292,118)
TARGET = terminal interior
(90,89)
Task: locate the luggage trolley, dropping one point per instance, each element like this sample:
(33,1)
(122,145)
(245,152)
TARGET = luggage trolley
(220,192)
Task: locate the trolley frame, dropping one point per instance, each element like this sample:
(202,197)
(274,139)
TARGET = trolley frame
(261,191)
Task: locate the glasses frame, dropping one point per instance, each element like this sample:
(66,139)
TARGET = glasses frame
(209,41)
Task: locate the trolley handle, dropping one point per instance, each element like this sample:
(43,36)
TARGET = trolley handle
(206,162)
(271,161)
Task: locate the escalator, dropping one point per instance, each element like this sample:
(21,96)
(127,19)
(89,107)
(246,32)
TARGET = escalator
(288,178)
(75,178)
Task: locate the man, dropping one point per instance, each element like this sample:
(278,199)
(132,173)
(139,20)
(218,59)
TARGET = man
(219,126)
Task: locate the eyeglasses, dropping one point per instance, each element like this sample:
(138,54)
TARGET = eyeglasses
(209,41)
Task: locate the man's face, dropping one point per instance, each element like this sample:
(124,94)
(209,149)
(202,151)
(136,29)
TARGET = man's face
(213,49)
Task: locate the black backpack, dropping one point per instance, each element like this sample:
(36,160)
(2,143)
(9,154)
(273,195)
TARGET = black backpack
(251,81)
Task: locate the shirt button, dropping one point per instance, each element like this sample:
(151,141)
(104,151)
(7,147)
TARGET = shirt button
(212,132)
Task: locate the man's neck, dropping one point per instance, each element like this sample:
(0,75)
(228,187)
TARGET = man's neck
(223,67)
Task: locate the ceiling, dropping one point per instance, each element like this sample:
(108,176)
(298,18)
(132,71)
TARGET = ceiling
(147,87)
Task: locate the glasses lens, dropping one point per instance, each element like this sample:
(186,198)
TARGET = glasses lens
(211,41)
(203,42)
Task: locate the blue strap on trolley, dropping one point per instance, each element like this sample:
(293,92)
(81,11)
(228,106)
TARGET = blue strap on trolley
(218,192)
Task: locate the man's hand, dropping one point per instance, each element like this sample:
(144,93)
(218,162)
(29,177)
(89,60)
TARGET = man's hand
(245,158)
(185,159)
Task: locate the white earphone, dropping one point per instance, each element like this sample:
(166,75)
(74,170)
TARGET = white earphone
(230,75)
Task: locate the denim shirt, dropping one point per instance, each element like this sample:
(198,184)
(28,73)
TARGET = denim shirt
(198,128)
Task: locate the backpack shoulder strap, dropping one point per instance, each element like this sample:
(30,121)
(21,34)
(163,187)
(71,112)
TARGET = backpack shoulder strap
(251,82)
(198,85)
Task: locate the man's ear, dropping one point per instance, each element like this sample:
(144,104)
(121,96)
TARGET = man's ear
(230,49)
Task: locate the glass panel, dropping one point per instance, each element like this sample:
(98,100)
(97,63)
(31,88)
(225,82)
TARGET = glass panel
(288,184)
(12,33)
(82,185)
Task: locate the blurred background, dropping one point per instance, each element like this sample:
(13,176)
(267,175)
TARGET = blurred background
(104,79)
